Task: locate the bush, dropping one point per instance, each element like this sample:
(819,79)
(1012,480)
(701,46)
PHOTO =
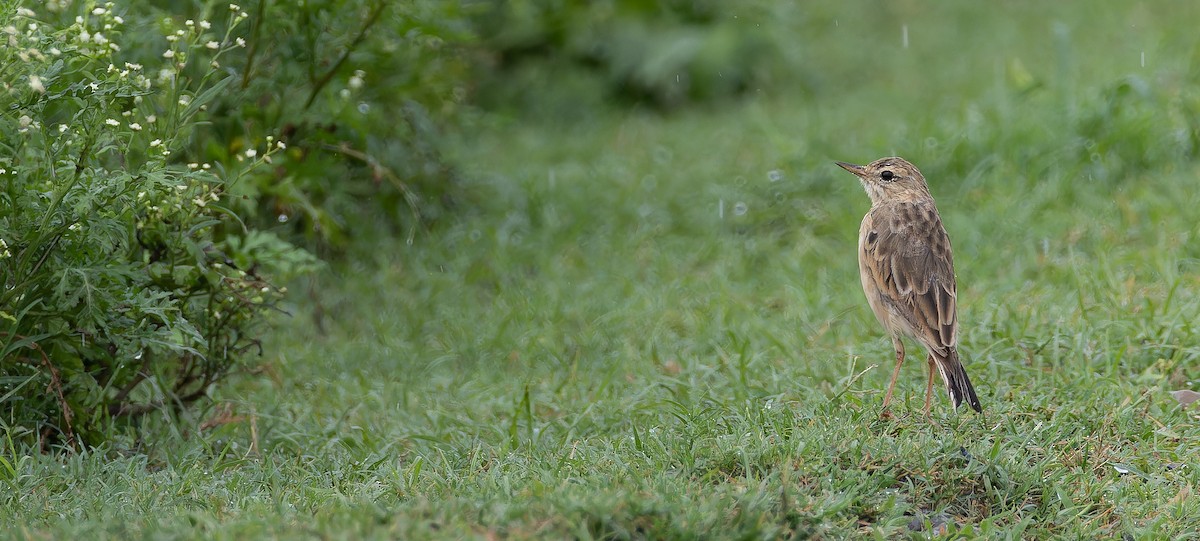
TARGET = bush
(663,54)
(360,90)
(126,283)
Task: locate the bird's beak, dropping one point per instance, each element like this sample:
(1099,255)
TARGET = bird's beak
(856,169)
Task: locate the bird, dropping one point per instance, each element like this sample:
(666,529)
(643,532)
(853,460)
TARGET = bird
(907,270)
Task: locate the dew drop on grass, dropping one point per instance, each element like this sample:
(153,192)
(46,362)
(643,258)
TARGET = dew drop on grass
(283,218)
(775,175)
(739,208)
(364,107)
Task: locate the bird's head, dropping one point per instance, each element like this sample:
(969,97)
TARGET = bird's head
(890,179)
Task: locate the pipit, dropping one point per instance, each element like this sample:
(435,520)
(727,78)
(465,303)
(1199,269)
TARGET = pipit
(907,271)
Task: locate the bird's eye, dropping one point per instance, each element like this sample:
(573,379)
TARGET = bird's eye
(887,175)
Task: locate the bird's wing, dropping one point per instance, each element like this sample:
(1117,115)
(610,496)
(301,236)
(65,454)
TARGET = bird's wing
(912,263)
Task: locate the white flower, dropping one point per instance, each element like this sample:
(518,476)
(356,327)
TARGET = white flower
(135,126)
(169,54)
(205,25)
(189,22)
(213,45)
(250,153)
(25,12)
(35,83)
(240,42)
(112,122)
(98,11)
(280,145)
(234,7)
(151,119)
(156,143)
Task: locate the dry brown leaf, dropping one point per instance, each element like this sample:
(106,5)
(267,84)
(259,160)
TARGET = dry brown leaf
(1184,493)
(1185,397)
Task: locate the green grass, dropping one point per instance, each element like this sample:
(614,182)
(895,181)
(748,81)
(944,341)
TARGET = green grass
(592,349)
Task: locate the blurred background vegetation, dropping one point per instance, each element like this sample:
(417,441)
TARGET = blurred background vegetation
(589,271)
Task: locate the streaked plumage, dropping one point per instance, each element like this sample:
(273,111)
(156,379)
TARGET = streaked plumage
(907,271)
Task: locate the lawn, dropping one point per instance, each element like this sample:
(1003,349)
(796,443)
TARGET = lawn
(650,325)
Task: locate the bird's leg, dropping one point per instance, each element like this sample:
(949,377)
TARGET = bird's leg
(896,343)
(929,386)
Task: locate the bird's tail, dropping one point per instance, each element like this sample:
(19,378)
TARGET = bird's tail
(957,382)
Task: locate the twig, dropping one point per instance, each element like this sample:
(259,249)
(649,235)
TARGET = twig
(362,34)
(253,43)
(139,377)
(56,387)
(383,171)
